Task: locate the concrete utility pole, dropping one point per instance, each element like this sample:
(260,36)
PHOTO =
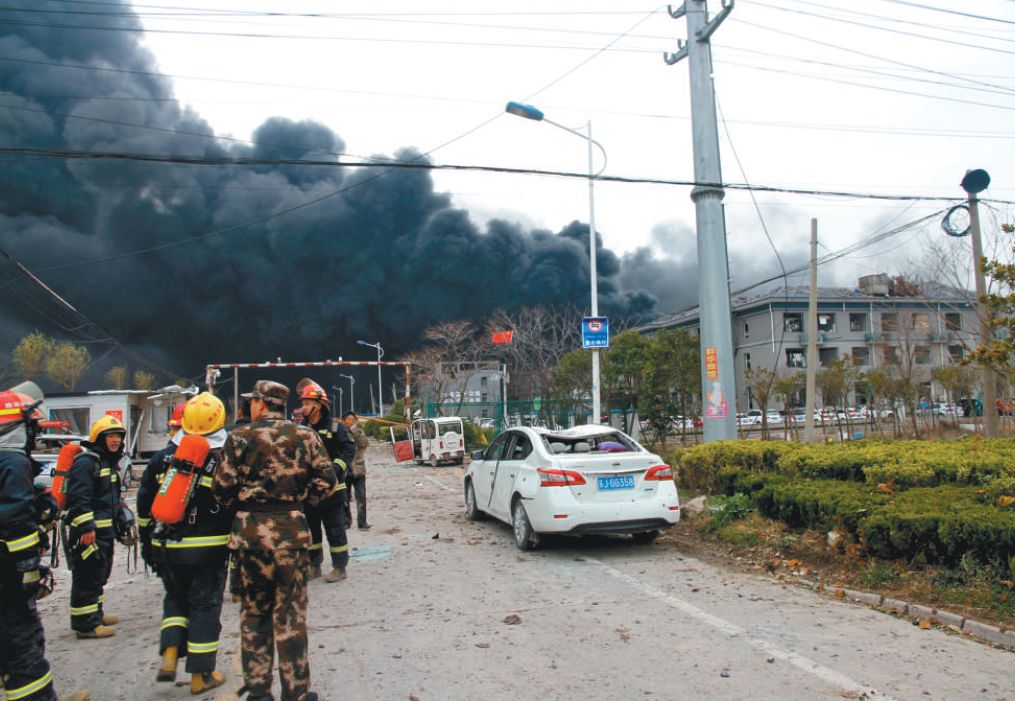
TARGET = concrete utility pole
(975,182)
(718,380)
(812,339)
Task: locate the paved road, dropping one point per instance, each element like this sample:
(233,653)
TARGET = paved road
(423,617)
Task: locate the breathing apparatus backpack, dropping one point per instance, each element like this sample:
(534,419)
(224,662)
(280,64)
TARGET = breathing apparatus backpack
(181,479)
(64,461)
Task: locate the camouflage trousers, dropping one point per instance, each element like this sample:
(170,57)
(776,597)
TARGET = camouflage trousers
(273,614)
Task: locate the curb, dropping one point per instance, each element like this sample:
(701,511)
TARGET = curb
(994,635)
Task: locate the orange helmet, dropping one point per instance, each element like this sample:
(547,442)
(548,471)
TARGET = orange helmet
(308,389)
(176,420)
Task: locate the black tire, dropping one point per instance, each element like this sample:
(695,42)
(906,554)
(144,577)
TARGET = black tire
(434,462)
(472,510)
(525,537)
(645,537)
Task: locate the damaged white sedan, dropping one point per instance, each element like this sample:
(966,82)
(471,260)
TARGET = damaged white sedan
(588,479)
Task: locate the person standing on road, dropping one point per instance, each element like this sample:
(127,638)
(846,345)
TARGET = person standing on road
(190,556)
(358,471)
(330,512)
(93,507)
(26,672)
(269,469)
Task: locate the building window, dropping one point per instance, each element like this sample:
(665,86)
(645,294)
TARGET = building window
(921,355)
(921,322)
(747,330)
(858,323)
(484,397)
(747,360)
(795,358)
(889,322)
(957,353)
(953,321)
(826,322)
(861,355)
(892,356)
(827,356)
(793,323)
(483,380)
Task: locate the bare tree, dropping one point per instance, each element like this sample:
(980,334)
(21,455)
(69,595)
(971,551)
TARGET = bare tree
(761,384)
(541,336)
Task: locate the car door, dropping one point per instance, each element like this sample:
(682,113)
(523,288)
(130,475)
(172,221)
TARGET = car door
(507,470)
(484,472)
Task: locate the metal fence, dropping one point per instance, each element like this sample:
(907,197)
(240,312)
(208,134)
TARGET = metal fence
(528,412)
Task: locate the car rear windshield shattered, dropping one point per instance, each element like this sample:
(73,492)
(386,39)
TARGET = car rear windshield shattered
(609,442)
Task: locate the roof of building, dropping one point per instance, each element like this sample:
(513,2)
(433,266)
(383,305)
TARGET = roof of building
(929,292)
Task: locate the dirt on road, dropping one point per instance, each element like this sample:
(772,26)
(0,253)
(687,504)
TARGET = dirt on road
(438,608)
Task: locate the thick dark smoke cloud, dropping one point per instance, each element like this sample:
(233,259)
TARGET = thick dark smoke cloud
(381,260)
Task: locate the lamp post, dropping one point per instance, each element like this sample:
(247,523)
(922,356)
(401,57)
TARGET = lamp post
(380,387)
(352,391)
(529,112)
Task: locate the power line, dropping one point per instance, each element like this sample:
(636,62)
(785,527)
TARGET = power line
(950,12)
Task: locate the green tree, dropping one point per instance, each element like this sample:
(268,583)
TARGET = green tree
(31,353)
(66,363)
(624,369)
(116,377)
(996,352)
(672,381)
(787,388)
(144,380)
(957,380)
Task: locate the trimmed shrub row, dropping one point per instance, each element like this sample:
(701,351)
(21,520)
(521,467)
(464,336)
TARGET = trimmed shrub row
(940,524)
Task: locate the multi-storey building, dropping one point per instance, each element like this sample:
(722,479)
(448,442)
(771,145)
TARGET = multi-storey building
(881,322)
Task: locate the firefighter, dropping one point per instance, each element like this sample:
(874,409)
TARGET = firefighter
(96,516)
(330,512)
(144,521)
(190,556)
(176,420)
(23,577)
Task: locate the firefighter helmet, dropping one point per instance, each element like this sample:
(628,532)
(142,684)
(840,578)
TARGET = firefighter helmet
(12,407)
(176,420)
(105,424)
(308,389)
(204,414)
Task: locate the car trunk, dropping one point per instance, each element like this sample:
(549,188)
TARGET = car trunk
(610,477)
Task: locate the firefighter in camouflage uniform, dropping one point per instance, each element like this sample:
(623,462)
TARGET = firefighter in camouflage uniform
(270,469)
(190,556)
(330,512)
(24,513)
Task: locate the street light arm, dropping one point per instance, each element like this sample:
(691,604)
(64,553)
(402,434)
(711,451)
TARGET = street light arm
(586,138)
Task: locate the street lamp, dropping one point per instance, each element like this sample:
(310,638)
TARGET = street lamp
(340,396)
(529,112)
(352,391)
(380,388)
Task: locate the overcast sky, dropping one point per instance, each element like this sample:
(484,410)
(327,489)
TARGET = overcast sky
(880,96)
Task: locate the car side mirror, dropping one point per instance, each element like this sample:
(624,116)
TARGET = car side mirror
(477,455)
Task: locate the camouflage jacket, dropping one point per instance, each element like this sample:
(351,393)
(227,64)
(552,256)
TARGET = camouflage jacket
(269,468)
(359,463)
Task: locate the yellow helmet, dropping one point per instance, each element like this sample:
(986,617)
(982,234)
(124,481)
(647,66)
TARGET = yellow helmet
(105,424)
(204,414)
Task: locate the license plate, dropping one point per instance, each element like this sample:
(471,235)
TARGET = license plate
(617,482)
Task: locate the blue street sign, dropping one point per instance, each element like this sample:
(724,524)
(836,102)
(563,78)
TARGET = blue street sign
(595,332)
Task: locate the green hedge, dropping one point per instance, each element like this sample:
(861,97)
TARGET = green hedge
(940,524)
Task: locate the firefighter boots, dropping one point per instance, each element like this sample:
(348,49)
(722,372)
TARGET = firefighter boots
(336,575)
(109,619)
(97,632)
(314,572)
(203,681)
(167,672)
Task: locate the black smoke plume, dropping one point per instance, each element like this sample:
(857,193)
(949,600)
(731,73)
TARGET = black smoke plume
(381,260)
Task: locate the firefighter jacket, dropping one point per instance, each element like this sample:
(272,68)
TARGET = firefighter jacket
(269,469)
(203,534)
(93,494)
(19,533)
(340,446)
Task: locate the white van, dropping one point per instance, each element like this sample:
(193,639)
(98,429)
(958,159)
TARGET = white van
(438,440)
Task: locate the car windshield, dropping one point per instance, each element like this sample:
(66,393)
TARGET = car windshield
(607,442)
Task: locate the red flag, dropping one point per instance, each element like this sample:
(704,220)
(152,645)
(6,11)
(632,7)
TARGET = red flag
(500,337)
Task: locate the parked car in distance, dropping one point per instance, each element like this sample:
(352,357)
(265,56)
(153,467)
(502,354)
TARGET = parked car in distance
(583,480)
(51,444)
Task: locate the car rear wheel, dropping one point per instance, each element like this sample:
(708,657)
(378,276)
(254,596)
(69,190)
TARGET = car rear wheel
(471,507)
(645,537)
(525,538)
(433,460)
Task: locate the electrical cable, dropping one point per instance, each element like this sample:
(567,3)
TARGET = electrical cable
(950,12)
